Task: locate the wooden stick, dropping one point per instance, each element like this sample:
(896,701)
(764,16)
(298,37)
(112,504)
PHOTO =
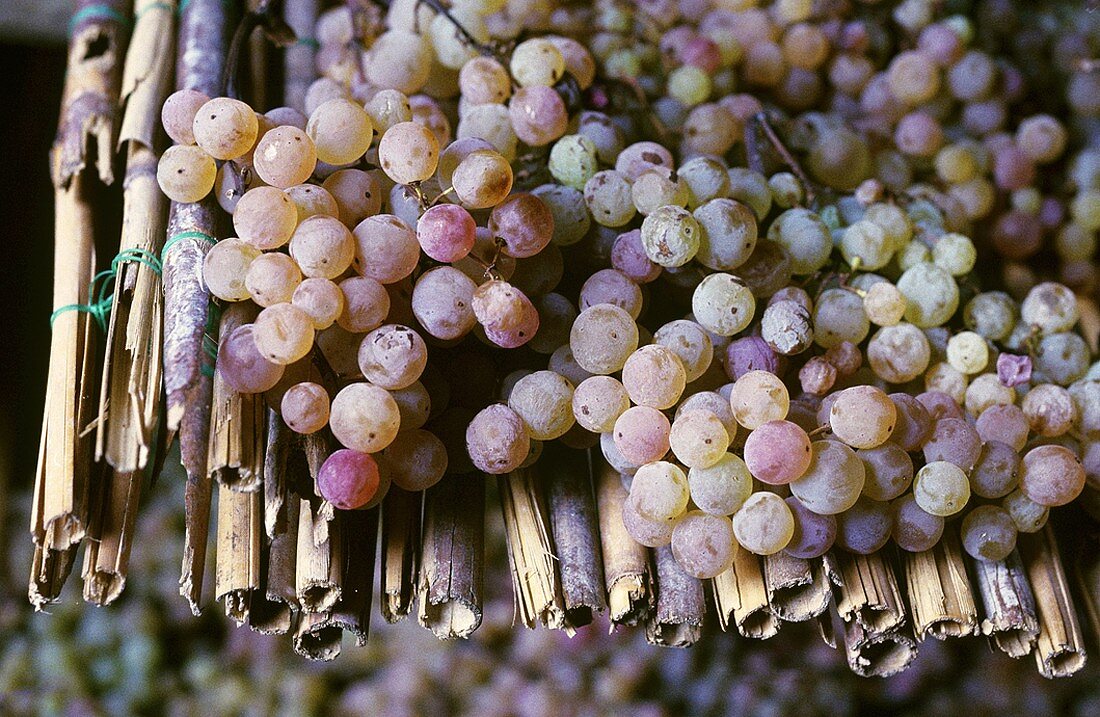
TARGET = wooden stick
(359,531)
(940,597)
(401,513)
(299,65)
(530,553)
(236,456)
(317,638)
(49,570)
(452,574)
(867,590)
(798,589)
(574,527)
(741,597)
(1060,648)
(107,553)
(872,653)
(318,565)
(281,443)
(1008,605)
(678,619)
(276,602)
(627,574)
(197,494)
(237,569)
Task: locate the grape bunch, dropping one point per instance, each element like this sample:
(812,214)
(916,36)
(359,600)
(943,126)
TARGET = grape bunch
(736,245)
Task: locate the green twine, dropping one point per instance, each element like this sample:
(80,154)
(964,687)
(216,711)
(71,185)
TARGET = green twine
(227,4)
(150,8)
(209,343)
(100,308)
(176,238)
(96,12)
(308,42)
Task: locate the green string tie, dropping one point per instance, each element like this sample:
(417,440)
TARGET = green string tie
(96,12)
(227,4)
(100,309)
(176,238)
(308,42)
(150,8)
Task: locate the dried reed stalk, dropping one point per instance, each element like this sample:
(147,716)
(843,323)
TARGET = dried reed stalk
(574,526)
(798,590)
(236,456)
(318,564)
(316,637)
(741,597)
(627,574)
(453,568)
(1086,572)
(940,598)
(678,619)
(530,553)
(359,533)
(867,590)
(88,122)
(298,59)
(107,553)
(237,566)
(280,445)
(1060,646)
(401,513)
(1008,605)
(276,601)
(872,653)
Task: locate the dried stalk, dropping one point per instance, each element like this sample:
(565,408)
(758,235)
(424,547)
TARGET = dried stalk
(107,553)
(236,457)
(626,563)
(318,565)
(401,512)
(1008,605)
(1086,571)
(237,569)
(877,654)
(530,554)
(741,597)
(278,503)
(678,619)
(940,597)
(1060,648)
(452,573)
(197,494)
(867,590)
(798,589)
(574,526)
(299,59)
(359,531)
(317,638)
(274,604)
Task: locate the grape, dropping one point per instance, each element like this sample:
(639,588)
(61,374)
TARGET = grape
(349,479)
(408,153)
(446,232)
(656,188)
(272,279)
(988,533)
(416,459)
(690,343)
(1027,515)
(500,306)
(778,452)
(321,299)
(186,173)
(703,544)
(698,439)
(537,62)
(839,316)
(610,286)
(955,253)
(991,314)
(177,115)
(670,236)
(864,244)
(523,224)
(399,60)
(813,534)
(650,533)
(641,434)
(598,401)
(392,356)
(286,116)
(283,333)
(608,196)
(544,401)
(225,266)
(225,128)
(721,488)
(654,376)
(804,237)
(659,491)
(358,194)
(715,403)
(862,417)
(758,397)
(322,90)
(241,365)
(845,356)
(1050,307)
(722,304)
(562,361)
(914,529)
(450,48)
(940,405)
(1005,424)
(888,470)
(305,407)
(833,481)
(1051,475)
(1049,410)
(443,302)
(955,441)
(900,353)
(932,294)
(967,352)
(913,77)
(602,338)
(941,488)
(366,304)
(764,525)
(285,156)
(865,527)
(1061,358)
(786,327)
(482,80)
(341,131)
(985,391)
(310,200)
(817,376)
(538,115)
(482,179)
(884,304)
(364,417)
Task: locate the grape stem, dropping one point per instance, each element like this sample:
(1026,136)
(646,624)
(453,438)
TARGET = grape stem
(761,118)
(268,15)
